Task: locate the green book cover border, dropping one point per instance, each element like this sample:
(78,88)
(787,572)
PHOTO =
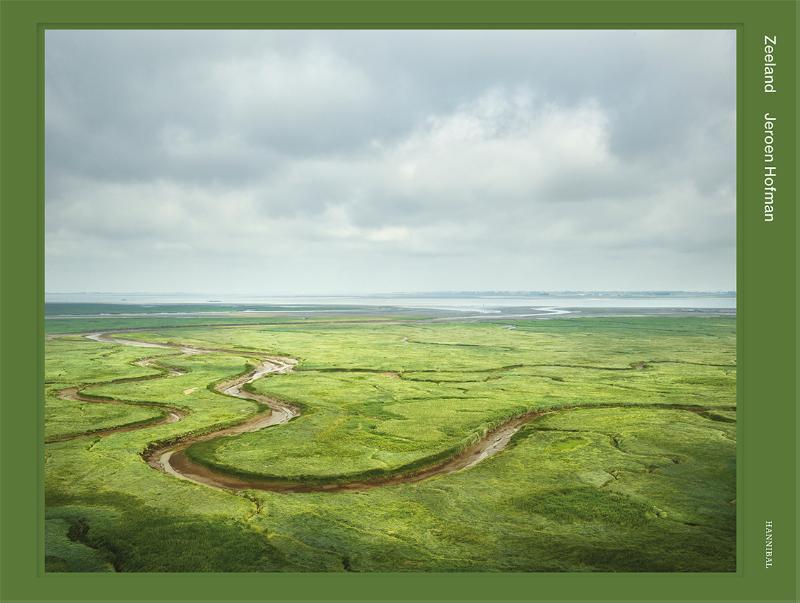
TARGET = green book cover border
(766,300)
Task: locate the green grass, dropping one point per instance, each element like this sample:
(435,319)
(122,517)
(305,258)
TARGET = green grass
(632,484)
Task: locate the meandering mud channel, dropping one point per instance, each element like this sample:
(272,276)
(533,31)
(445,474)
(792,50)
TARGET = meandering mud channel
(172,459)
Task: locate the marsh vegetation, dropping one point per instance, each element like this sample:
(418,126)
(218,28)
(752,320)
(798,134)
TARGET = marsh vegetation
(622,457)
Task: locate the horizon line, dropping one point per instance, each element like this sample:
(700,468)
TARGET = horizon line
(384,293)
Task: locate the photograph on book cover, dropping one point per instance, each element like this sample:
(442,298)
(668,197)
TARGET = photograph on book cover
(408,300)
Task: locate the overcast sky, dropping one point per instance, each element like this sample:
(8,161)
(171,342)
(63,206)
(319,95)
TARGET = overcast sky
(331,162)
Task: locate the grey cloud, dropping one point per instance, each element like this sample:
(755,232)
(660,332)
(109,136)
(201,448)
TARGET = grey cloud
(375,160)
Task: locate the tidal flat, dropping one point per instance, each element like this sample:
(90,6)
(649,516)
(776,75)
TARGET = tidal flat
(619,449)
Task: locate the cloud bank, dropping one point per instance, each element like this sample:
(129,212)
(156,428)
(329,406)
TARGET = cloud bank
(328,162)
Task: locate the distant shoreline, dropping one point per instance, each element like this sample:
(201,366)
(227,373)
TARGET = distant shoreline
(129,311)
